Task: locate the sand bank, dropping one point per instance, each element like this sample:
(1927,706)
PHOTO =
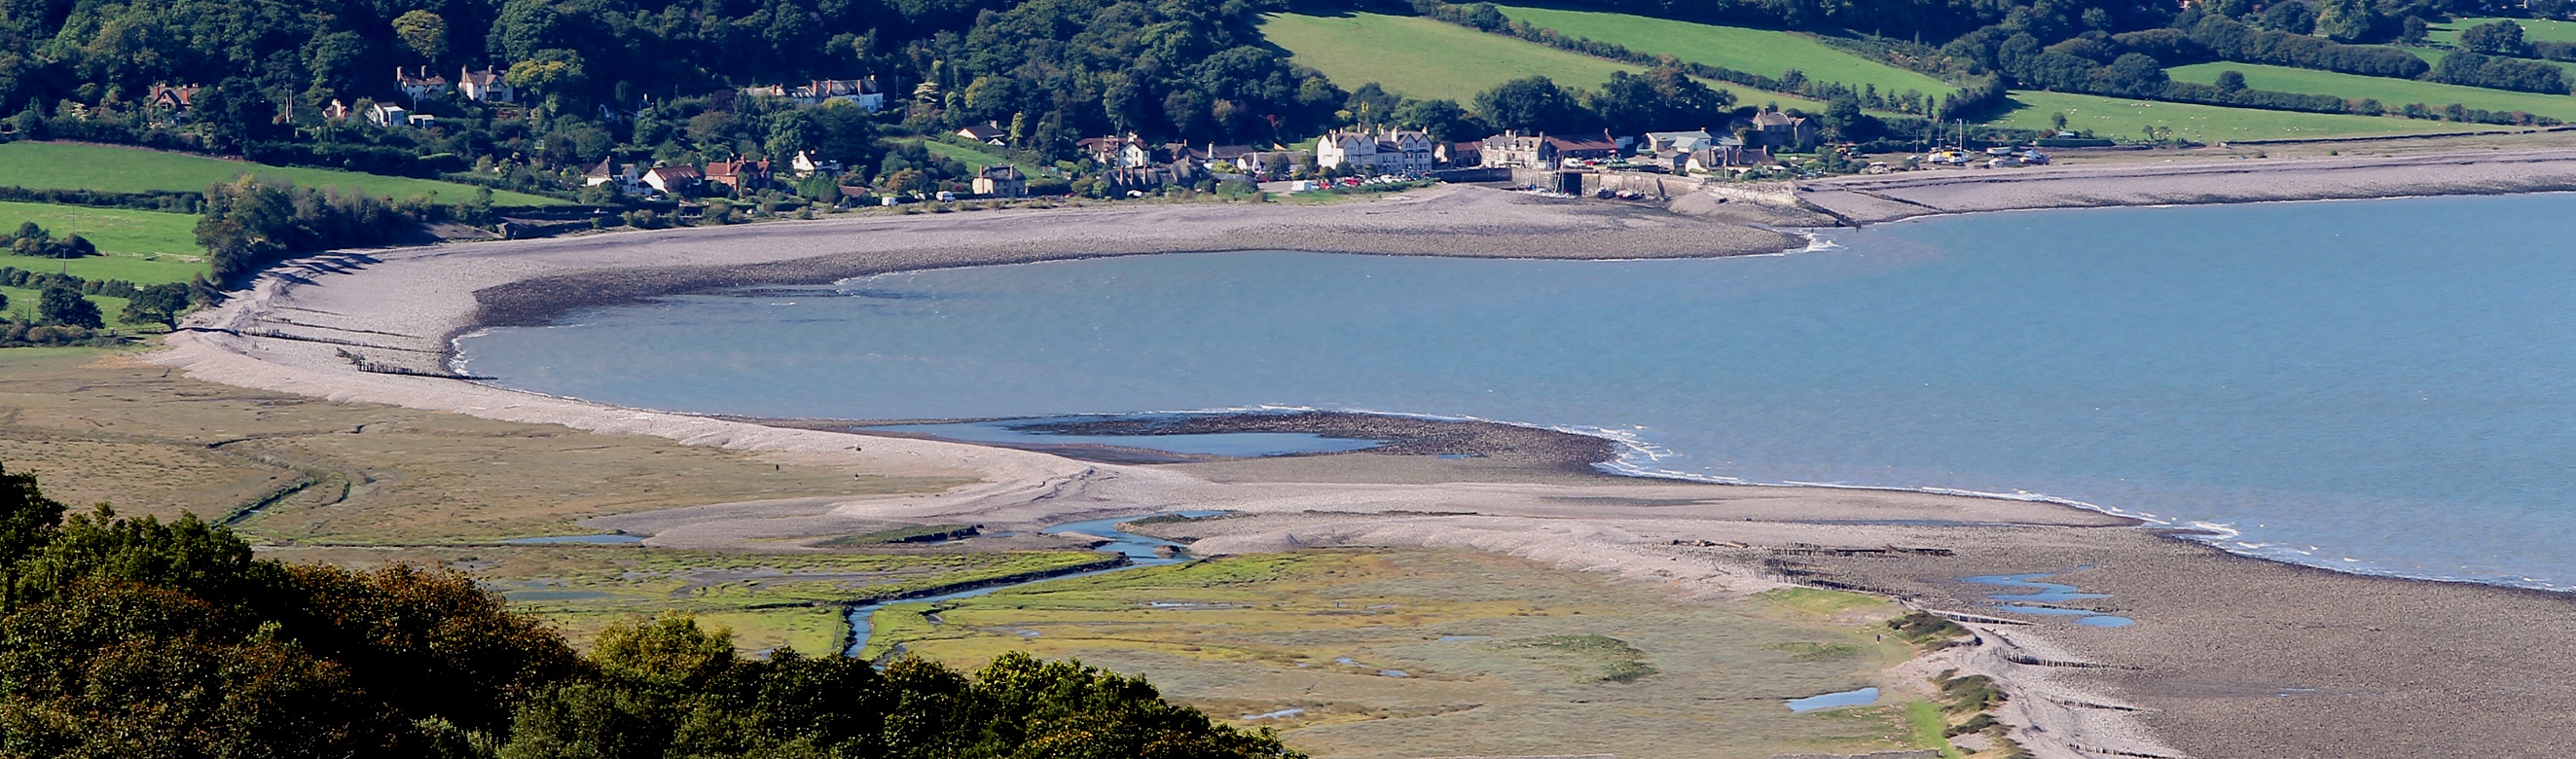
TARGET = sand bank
(335,326)
(2188,181)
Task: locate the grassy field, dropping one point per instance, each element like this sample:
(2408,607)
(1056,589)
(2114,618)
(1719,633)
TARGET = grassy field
(141,269)
(2390,92)
(2124,118)
(1412,653)
(1422,58)
(1758,51)
(111,169)
(142,247)
(114,230)
(2533,29)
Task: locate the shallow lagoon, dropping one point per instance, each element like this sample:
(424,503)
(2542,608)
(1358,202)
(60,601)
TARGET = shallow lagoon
(2378,385)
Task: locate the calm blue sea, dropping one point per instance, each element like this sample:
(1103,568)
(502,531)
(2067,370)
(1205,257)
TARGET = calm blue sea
(2379,386)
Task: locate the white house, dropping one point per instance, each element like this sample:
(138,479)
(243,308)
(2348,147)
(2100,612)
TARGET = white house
(608,171)
(419,85)
(1387,151)
(485,86)
(989,133)
(383,115)
(1676,142)
(674,179)
(806,165)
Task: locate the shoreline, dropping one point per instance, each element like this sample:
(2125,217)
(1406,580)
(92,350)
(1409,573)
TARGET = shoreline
(296,329)
(1863,200)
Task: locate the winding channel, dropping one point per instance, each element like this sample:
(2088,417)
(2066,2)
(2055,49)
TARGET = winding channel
(1138,551)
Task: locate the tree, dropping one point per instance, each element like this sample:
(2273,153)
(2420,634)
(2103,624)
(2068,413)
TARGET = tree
(2293,16)
(2347,21)
(423,32)
(27,518)
(2413,31)
(1446,120)
(1843,119)
(2231,80)
(2495,38)
(156,304)
(1530,104)
(553,72)
(63,305)
(1663,98)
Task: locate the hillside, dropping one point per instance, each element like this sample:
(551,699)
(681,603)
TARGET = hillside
(1423,58)
(112,169)
(1757,51)
(2390,92)
(2124,118)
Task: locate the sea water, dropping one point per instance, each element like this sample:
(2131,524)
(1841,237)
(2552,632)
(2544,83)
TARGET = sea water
(2380,386)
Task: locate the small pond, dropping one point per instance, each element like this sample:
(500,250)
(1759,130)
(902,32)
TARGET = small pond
(2039,594)
(1861,697)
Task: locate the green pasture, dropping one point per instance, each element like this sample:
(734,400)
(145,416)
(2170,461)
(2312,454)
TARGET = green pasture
(1759,51)
(2533,29)
(2390,92)
(2124,118)
(2433,55)
(138,269)
(1423,58)
(114,230)
(114,169)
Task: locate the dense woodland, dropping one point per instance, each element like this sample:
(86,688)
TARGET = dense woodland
(651,80)
(132,637)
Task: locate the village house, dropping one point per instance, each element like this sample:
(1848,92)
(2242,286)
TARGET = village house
(1730,156)
(420,85)
(1460,154)
(1386,151)
(1779,130)
(1513,150)
(1127,152)
(674,180)
(1676,142)
(175,101)
(1232,156)
(861,92)
(989,133)
(1592,147)
(384,115)
(485,87)
(336,111)
(607,172)
(806,165)
(739,176)
(1270,163)
(1004,181)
